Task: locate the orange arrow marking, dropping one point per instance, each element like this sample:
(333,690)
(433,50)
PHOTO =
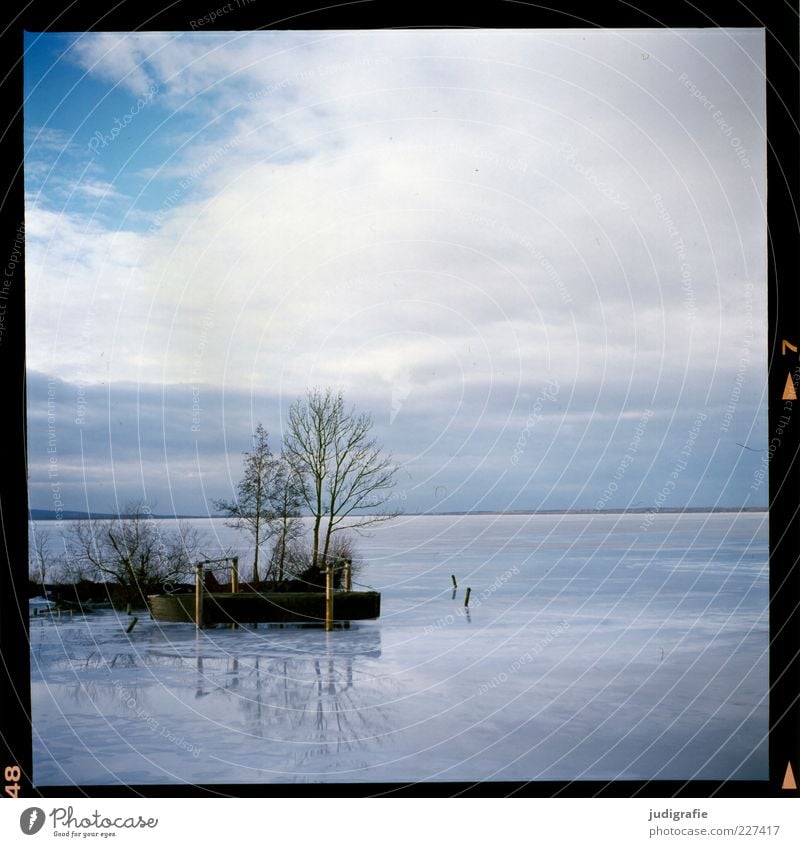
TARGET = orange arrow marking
(789,393)
(788,781)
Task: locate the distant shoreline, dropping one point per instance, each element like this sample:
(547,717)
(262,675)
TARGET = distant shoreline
(49,515)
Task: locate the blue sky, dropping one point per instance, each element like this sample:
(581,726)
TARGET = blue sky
(536,257)
(101,145)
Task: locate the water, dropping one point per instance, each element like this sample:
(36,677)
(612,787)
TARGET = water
(592,649)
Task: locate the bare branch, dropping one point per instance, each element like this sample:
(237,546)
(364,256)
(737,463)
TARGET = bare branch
(342,472)
(133,551)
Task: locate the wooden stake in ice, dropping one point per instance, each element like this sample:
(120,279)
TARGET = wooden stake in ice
(198,596)
(328,596)
(235,574)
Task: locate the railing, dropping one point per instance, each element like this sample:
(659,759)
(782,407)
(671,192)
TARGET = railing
(199,587)
(331,566)
(347,565)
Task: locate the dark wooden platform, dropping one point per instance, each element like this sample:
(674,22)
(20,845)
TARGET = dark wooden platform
(249,607)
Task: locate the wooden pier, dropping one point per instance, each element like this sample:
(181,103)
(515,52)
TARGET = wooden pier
(251,607)
(306,607)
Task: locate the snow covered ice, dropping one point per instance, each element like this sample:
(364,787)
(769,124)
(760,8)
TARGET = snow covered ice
(591,649)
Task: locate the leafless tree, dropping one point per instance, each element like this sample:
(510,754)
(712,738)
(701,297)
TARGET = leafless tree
(343,547)
(344,477)
(134,551)
(254,508)
(72,568)
(286,502)
(41,559)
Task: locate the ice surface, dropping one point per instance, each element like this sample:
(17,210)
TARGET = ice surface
(592,649)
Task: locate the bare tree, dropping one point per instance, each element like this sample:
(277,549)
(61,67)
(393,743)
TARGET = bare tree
(73,568)
(286,501)
(342,473)
(41,560)
(343,548)
(253,509)
(133,551)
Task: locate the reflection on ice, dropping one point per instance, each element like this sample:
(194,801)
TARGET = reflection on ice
(295,689)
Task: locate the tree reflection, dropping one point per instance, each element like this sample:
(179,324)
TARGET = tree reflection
(309,696)
(311,703)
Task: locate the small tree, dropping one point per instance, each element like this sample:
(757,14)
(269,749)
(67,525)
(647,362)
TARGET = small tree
(72,568)
(40,558)
(132,551)
(254,508)
(286,501)
(342,472)
(343,548)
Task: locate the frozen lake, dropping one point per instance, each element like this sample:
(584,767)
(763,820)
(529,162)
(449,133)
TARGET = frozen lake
(593,649)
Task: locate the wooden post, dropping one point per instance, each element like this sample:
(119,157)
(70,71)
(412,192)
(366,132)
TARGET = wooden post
(453,577)
(131,625)
(198,596)
(328,597)
(466,599)
(128,609)
(235,582)
(348,574)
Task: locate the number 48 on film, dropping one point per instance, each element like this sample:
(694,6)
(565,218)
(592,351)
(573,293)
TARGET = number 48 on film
(12,775)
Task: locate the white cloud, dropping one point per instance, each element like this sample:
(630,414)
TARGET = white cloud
(417,214)
(118,58)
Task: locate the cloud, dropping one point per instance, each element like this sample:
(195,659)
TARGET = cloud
(436,222)
(118,58)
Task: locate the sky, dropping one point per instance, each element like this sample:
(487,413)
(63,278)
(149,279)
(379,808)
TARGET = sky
(536,257)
